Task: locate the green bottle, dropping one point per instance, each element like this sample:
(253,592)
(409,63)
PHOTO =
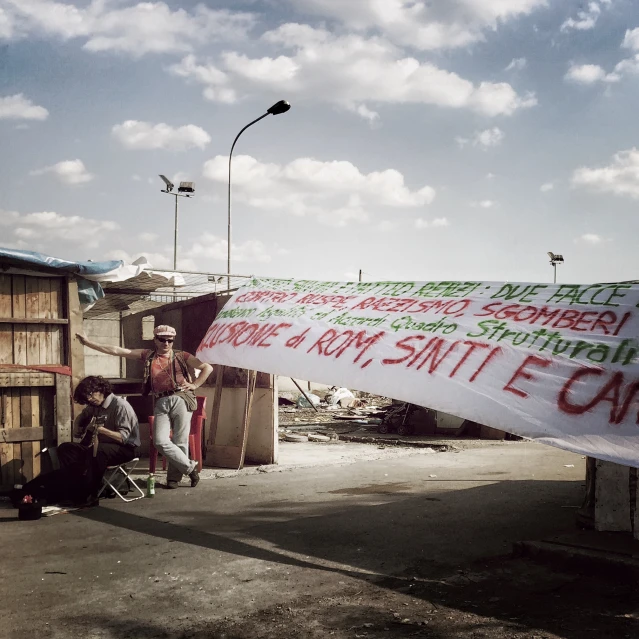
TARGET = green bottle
(150,486)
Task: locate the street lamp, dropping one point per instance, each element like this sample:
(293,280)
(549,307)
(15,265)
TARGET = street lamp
(186,189)
(279,107)
(554,260)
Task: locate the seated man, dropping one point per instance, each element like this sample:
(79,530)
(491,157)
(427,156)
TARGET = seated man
(110,435)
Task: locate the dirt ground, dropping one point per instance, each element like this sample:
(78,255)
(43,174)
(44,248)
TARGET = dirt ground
(506,598)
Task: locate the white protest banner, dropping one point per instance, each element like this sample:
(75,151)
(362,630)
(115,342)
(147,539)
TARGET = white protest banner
(558,363)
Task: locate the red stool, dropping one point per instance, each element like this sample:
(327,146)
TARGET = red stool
(195,437)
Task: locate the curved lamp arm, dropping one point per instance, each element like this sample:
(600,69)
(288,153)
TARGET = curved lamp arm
(279,107)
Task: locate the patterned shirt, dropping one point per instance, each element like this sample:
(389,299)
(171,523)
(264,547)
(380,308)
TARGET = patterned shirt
(165,377)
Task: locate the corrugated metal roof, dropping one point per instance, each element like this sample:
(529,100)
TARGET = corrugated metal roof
(149,290)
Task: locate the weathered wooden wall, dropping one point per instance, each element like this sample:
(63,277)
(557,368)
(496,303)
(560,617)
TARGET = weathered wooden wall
(37,317)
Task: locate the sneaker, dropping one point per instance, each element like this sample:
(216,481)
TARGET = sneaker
(172,484)
(195,477)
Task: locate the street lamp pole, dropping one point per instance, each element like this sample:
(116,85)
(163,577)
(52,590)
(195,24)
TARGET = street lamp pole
(279,107)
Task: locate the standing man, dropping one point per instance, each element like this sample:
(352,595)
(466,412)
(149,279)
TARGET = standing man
(166,375)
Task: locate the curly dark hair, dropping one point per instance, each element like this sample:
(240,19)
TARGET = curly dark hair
(91,384)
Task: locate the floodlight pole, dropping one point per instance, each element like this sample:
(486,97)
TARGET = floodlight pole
(554,266)
(279,107)
(175,235)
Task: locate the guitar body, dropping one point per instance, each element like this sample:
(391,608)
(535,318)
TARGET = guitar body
(90,436)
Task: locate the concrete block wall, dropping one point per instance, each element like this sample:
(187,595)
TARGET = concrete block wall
(616,499)
(105,332)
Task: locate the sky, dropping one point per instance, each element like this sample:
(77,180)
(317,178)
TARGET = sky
(439,140)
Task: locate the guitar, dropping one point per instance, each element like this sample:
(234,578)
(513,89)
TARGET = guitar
(89,436)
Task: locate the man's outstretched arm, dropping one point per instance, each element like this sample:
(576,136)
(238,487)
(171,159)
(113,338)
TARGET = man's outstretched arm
(118,351)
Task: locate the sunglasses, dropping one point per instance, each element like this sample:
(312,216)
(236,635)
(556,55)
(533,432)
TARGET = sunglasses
(165,340)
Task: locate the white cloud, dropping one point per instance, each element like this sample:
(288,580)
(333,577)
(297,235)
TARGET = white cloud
(586,19)
(350,71)
(336,192)
(489,137)
(590,238)
(146,27)
(149,237)
(425,26)
(631,39)
(620,177)
(17,107)
(517,64)
(490,176)
(485,138)
(386,225)
(485,204)
(46,230)
(438,222)
(589,74)
(214,247)
(547,186)
(217,82)
(7,25)
(68,172)
(134,134)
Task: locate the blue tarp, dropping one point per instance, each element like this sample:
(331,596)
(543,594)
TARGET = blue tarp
(89,290)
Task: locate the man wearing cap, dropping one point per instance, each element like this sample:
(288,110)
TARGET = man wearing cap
(166,375)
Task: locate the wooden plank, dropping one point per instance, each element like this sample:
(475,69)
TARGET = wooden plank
(32,310)
(37,459)
(6,466)
(57,313)
(6,332)
(43,321)
(47,415)
(63,408)
(76,350)
(19,312)
(26,379)
(57,310)
(34,392)
(215,416)
(14,435)
(27,461)
(25,408)
(250,394)
(6,450)
(46,350)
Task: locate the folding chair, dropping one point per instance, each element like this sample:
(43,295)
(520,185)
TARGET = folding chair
(116,475)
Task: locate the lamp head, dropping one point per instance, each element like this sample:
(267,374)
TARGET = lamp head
(169,184)
(279,107)
(551,255)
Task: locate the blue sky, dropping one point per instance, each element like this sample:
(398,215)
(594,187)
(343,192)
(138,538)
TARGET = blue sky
(452,139)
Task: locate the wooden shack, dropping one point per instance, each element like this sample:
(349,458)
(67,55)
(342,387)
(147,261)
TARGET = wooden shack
(40,364)
(241,413)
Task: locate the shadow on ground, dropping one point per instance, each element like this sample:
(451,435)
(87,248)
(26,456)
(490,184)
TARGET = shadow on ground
(408,554)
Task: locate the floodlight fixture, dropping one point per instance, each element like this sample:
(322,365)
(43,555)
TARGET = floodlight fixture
(187,188)
(554,260)
(169,184)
